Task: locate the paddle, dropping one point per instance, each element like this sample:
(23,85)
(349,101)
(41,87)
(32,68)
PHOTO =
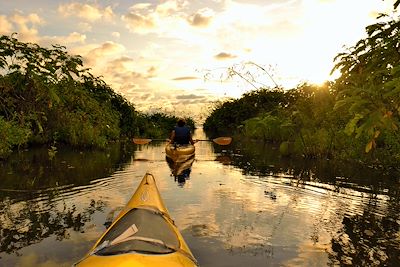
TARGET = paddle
(143,141)
(223,141)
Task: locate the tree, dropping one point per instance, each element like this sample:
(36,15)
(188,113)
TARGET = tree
(369,85)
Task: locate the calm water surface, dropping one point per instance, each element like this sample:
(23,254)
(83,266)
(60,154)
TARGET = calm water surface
(242,205)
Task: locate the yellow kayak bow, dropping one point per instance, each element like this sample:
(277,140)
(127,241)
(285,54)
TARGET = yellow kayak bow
(143,234)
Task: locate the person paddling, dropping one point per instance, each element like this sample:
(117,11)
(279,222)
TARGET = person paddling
(181,135)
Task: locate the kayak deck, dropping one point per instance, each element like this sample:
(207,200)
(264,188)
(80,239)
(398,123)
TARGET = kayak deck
(179,152)
(143,234)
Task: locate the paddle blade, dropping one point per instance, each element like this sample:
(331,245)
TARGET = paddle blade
(141,141)
(223,141)
(128,233)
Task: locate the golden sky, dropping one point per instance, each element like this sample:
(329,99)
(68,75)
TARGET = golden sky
(156,53)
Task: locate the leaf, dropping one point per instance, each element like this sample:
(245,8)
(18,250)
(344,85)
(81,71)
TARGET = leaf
(369,146)
(341,103)
(352,124)
(358,104)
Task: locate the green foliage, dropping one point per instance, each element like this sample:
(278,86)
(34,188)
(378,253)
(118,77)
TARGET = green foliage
(59,101)
(11,135)
(268,127)
(314,143)
(317,124)
(369,85)
(50,92)
(284,148)
(227,116)
(303,115)
(160,125)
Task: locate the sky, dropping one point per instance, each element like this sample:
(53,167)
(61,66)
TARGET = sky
(175,55)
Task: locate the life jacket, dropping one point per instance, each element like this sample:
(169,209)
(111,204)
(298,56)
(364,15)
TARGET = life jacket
(182,135)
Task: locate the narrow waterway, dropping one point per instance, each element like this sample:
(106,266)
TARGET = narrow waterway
(240,205)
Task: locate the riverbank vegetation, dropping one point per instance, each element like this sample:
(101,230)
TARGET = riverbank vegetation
(355,117)
(49,97)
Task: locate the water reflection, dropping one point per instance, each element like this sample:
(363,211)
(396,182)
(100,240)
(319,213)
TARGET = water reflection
(367,240)
(258,159)
(181,168)
(244,205)
(27,223)
(36,192)
(35,170)
(364,224)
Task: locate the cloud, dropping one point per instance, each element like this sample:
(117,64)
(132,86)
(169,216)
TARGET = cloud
(120,69)
(170,7)
(84,27)
(122,60)
(174,101)
(122,75)
(202,18)
(190,102)
(119,75)
(162,18)
(72,38)
(32,18)
(189,96)
(116,34)
(5,26)
(146,96)
(138,22)
(224,55)
(26,26)
(140,18)
(151,72)
(98,52)
(193,102)
(75,37)
(185,78)
(86,11)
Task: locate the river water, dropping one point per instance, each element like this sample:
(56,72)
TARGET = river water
(240,205)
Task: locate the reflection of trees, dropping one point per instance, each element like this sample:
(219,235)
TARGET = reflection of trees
(370,238)
(224,159)
(367,240)
(30,184)
(256,158)
(34,170)
(31,224)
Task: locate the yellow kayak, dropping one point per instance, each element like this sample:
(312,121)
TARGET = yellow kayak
(179,152)
(143,234)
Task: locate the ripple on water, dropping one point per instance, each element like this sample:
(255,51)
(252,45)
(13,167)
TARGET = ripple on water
(266,218)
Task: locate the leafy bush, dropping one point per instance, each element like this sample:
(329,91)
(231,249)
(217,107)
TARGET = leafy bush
(50,92)
(11,135)
(229,115)
(268,128)
(313,143)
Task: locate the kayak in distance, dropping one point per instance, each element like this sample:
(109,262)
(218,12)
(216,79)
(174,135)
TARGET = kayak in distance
(143,234)
(179,153)
(180,159)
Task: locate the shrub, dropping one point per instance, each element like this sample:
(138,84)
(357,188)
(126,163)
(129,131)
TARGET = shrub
(11,135)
